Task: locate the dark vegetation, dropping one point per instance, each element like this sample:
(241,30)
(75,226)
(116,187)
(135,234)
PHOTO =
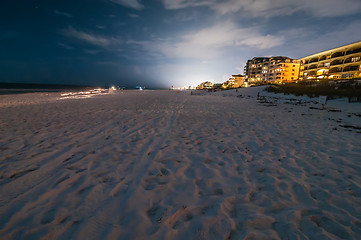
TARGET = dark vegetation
(332,89)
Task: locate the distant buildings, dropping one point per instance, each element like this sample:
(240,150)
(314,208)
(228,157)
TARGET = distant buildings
(338,63)
(272,69)
(205,85)
(235,81)
(283,69)
(254,69)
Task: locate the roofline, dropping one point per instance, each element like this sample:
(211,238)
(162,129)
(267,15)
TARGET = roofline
(332,49)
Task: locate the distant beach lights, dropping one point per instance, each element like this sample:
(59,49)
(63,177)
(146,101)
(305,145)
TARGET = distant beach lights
(87,94)
(112,90)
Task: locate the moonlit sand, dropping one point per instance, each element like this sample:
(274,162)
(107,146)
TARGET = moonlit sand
(170,165)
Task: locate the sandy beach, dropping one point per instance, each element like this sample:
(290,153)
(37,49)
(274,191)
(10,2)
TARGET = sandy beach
(171,165)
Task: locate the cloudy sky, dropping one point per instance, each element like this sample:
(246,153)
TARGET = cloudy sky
(160,43)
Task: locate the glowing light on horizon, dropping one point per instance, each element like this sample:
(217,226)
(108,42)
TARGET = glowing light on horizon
(87,94)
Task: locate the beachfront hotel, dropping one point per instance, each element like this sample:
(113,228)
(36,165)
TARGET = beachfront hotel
(254,68)
(277,69)
(235,81)
(338,63)
(205,85)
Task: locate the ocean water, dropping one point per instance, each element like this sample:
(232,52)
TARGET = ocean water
(19,88)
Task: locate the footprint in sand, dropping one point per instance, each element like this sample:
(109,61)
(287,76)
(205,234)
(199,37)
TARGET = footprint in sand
(179,217)
(119,189)
(48,216)
(151,183)
(156,178)
(206,188)
(155,213)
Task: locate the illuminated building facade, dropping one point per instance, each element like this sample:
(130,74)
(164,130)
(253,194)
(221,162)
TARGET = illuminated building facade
(272,69)
(283,69)
(205,85)
(235,81)
(337,63)
(254,69)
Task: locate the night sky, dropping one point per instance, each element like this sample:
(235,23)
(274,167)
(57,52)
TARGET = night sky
(160,43)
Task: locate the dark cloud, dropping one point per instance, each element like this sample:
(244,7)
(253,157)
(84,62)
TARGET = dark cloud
(138,42)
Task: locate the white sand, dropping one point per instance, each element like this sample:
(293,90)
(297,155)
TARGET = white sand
(168,165)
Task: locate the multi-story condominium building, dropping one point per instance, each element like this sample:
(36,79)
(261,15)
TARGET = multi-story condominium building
(283,69)
(235,81)
(342,62)
(205,85)
(272,69)
(254,69)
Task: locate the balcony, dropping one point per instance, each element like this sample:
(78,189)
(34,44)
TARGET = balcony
(337,54)
(352,51)
(351,68)
(322,65)
(352,60)
(322,72)
(336,62)
(312,73)
(313,60)
(335,70)
(312,67)
(324,57)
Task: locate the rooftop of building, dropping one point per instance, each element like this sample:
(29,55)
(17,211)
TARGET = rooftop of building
(341,48)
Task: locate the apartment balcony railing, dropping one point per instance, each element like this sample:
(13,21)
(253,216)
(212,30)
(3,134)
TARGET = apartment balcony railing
(312,73)
(322,58)
(323,65)
(337,62)
(337,54)
(312,67)
(335,70)
(313,60)
(352,60)
(357,50)
(351,68)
